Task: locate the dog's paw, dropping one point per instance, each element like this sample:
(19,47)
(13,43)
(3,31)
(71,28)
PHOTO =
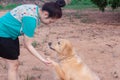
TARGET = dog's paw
(52,62)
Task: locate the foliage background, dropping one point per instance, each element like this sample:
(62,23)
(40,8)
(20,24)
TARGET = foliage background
(75,4)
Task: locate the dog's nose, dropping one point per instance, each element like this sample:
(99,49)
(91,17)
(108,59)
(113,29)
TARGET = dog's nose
(50,43)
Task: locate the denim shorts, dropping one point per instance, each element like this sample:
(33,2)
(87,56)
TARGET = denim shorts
(9,48)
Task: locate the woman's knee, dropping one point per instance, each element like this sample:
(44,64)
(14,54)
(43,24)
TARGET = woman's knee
(13,64)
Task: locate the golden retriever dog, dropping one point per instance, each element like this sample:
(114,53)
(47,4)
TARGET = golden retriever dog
(70,66)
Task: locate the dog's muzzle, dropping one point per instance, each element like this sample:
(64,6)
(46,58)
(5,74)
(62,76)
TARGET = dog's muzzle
(50,43)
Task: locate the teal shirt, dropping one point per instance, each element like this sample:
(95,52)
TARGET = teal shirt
(10,27)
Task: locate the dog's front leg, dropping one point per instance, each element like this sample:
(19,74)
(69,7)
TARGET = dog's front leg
(58,69)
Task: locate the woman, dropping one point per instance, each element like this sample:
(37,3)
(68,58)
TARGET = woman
(23,20)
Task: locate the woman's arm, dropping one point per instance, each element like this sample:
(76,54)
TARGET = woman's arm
(28,44)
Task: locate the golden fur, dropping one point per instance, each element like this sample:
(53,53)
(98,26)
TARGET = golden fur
(70,66)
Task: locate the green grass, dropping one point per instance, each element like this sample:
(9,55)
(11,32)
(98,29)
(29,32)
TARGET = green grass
(9,6)
(81,4)
(1,7)
(75,4)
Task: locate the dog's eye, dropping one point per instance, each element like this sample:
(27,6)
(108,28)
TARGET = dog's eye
(59,43)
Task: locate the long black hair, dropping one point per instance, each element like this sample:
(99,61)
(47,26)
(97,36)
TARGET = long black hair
(54,8)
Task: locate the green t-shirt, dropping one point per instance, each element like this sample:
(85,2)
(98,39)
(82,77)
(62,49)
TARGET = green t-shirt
(14,23)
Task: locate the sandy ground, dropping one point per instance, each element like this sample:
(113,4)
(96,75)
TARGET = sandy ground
(95,36)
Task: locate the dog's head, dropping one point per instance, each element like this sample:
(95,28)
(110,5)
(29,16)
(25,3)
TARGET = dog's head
(63,47)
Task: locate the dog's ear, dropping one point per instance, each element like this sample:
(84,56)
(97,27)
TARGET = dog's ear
(68,49)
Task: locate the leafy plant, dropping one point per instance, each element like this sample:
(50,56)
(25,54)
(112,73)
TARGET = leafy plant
(35,44)
(102,4)
(114,3)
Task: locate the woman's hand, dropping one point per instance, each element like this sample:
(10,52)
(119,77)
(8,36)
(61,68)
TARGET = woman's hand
(47,61)
(28,44)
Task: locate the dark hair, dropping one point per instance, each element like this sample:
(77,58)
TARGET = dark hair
(54,8)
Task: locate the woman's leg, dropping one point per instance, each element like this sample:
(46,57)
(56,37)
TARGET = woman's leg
(13,69)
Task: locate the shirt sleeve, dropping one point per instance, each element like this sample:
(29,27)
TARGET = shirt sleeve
(29,26)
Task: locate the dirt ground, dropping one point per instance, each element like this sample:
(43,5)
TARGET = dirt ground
(95,36)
